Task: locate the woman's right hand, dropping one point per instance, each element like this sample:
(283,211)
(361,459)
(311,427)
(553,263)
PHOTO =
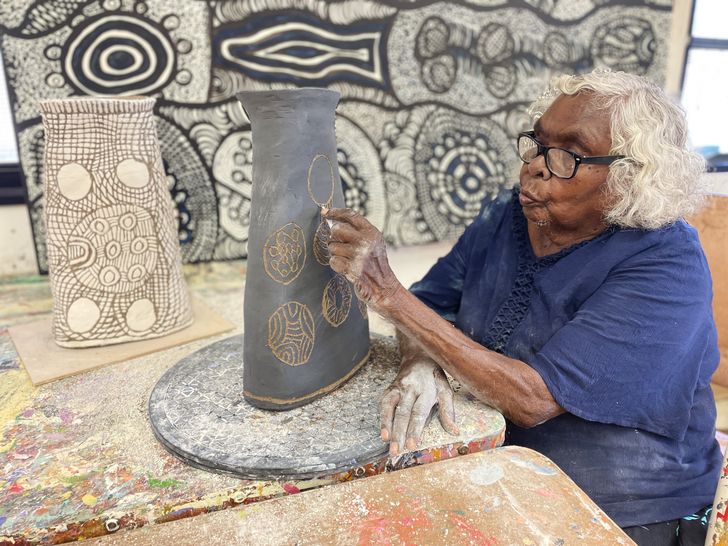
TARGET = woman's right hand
(407,404)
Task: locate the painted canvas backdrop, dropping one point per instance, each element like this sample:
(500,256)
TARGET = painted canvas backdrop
(433,93)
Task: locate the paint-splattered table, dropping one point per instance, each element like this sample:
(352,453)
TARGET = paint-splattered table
(508,495)
(78,458)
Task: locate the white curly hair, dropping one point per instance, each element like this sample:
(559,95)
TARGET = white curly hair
(659,179)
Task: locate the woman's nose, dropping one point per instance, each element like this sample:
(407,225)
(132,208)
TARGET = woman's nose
(537,167)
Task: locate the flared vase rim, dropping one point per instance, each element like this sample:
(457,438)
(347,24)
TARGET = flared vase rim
(104,104)
(288,91)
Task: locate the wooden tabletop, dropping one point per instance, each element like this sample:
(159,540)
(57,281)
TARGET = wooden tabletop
(509,495)
(78,458)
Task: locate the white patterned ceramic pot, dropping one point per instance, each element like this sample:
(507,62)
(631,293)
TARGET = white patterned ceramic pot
(305,330)
(113,250)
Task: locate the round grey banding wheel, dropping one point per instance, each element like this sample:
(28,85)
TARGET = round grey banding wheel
(198,412)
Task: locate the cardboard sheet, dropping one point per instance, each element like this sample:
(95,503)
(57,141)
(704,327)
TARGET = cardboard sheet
(45,361)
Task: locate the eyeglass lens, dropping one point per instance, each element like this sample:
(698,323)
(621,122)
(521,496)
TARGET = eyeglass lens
(560,162)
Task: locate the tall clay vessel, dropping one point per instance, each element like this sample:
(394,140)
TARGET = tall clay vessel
(113,250)
(305,331)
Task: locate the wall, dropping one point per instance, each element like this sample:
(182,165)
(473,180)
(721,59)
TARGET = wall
(433,93)
(17,253)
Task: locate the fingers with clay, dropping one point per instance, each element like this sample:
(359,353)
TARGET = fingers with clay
(407,405)
(446,404)
(358,252)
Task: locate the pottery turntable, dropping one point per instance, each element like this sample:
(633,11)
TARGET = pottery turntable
(306,348)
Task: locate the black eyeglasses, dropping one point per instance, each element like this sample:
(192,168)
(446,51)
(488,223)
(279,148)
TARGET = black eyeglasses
(560,163)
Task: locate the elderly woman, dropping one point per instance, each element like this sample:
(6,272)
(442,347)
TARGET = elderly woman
(578,304)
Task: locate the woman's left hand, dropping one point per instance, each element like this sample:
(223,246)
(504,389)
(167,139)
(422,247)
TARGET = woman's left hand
(358,252)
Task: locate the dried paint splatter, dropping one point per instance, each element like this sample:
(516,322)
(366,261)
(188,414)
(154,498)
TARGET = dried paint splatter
(486,475)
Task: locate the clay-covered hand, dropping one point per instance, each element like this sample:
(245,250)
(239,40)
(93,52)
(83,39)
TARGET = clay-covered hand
(407,404)
(358,252)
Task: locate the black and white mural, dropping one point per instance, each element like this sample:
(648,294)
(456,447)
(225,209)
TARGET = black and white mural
(433,93)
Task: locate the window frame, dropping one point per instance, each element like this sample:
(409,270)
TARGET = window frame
(720,44)
(12,188)
(12,184)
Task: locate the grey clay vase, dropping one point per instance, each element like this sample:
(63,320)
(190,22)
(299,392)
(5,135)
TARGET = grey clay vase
(305,331)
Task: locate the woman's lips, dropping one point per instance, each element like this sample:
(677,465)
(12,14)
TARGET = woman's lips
(525,199)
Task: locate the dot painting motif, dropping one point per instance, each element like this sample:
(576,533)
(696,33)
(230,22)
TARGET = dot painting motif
(291,333)
(336,300)
(284,253)
(114,249)
(433,94)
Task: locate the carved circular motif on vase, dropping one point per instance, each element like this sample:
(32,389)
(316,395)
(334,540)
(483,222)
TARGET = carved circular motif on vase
(116,53)
(109,276)
(284,253)
(81,252)
(141,315)
(100,226)
(336,301)
(82,315)
(321,243)
(74,181)
(133,173)
(136,273)
(291,333)
(321,177)
(139,245)
(114,249)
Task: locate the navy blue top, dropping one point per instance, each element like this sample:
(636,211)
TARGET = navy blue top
(621,330)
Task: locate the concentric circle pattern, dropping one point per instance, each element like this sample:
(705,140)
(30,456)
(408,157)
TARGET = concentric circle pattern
(115,249)
(291,333)
(393,63)
(625,43)
(336,301)
(116,54)
(459,161)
